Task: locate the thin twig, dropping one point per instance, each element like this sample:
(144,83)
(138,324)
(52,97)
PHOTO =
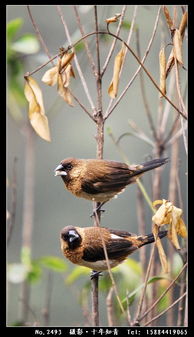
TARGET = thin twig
(125,52)
(46,310)
(109,306)
(164,293)
(140,304)
(90,57)
(11,222)
(142,86)
(141,66)
(83,81)
(39,34)
(114,41)
(164,311)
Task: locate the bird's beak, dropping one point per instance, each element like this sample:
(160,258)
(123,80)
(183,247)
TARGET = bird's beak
(59,171)
(73,236)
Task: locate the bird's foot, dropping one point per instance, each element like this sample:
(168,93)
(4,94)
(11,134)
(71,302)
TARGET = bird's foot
(98,209)
(95,274)
(94,213)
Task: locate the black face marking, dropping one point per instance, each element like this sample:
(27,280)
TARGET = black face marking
(72,238)
(67,167)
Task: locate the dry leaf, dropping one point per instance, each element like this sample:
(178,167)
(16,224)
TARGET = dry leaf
(177,46)
(162,62)
(169,214)
(61,74)
(113,88)
(168,18)
(183,24)
(50,77)
(113,19)
(170,63)
(36,112)
(63,91)
(161,252)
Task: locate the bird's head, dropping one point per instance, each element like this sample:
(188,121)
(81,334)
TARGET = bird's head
(70,238)
(64,168)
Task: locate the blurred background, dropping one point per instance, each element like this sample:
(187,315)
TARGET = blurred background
(58,294)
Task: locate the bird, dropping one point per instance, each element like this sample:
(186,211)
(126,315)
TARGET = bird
(83,246)
(100,180)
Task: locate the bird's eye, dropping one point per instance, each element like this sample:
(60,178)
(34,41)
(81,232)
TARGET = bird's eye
(68,167)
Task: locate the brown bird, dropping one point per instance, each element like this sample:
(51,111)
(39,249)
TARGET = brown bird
(83,245)
(100,180)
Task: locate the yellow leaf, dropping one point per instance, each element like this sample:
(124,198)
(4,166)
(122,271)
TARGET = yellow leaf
(36,111)
(172,235)
(50,77)
(113,88)
(162,62)
(63,91)
(40,125)
(66,59)
(177,46)
(181,228)
(170,63)
(162,256)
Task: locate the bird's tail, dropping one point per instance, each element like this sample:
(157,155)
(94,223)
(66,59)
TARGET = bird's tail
(149,165)
(150,238)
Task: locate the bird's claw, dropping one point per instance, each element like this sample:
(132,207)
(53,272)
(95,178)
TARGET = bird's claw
(95,274)
(97,210)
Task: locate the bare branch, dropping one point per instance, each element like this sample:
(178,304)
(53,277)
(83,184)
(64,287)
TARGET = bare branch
(114,41)
(164,311)
(164,293)
(83,81)
(90,57)
(39,34)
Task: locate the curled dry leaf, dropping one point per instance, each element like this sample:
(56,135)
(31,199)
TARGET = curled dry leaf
(36,112)
(162,62)
(50,77)
(160,248)
(61,74)
(167,213)
(177,46)
(182,27)
(113,88)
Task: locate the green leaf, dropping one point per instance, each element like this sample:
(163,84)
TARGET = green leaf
(53,262)
(126,24)
(177,264)
(151,280)
(12,28)
(76,273)
(26,44)
(79,46)
(35,273)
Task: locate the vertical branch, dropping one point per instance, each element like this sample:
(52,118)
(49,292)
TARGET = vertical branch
(99,155)
(46,309)
(13,201)
(28,213)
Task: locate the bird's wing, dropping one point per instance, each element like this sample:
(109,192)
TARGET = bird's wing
(110,176)
(116,248)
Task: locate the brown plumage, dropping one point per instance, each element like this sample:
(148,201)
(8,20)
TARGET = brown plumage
(83,245)
(101,180)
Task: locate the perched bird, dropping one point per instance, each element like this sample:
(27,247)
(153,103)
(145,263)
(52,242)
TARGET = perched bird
(83,245)
(100,180)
